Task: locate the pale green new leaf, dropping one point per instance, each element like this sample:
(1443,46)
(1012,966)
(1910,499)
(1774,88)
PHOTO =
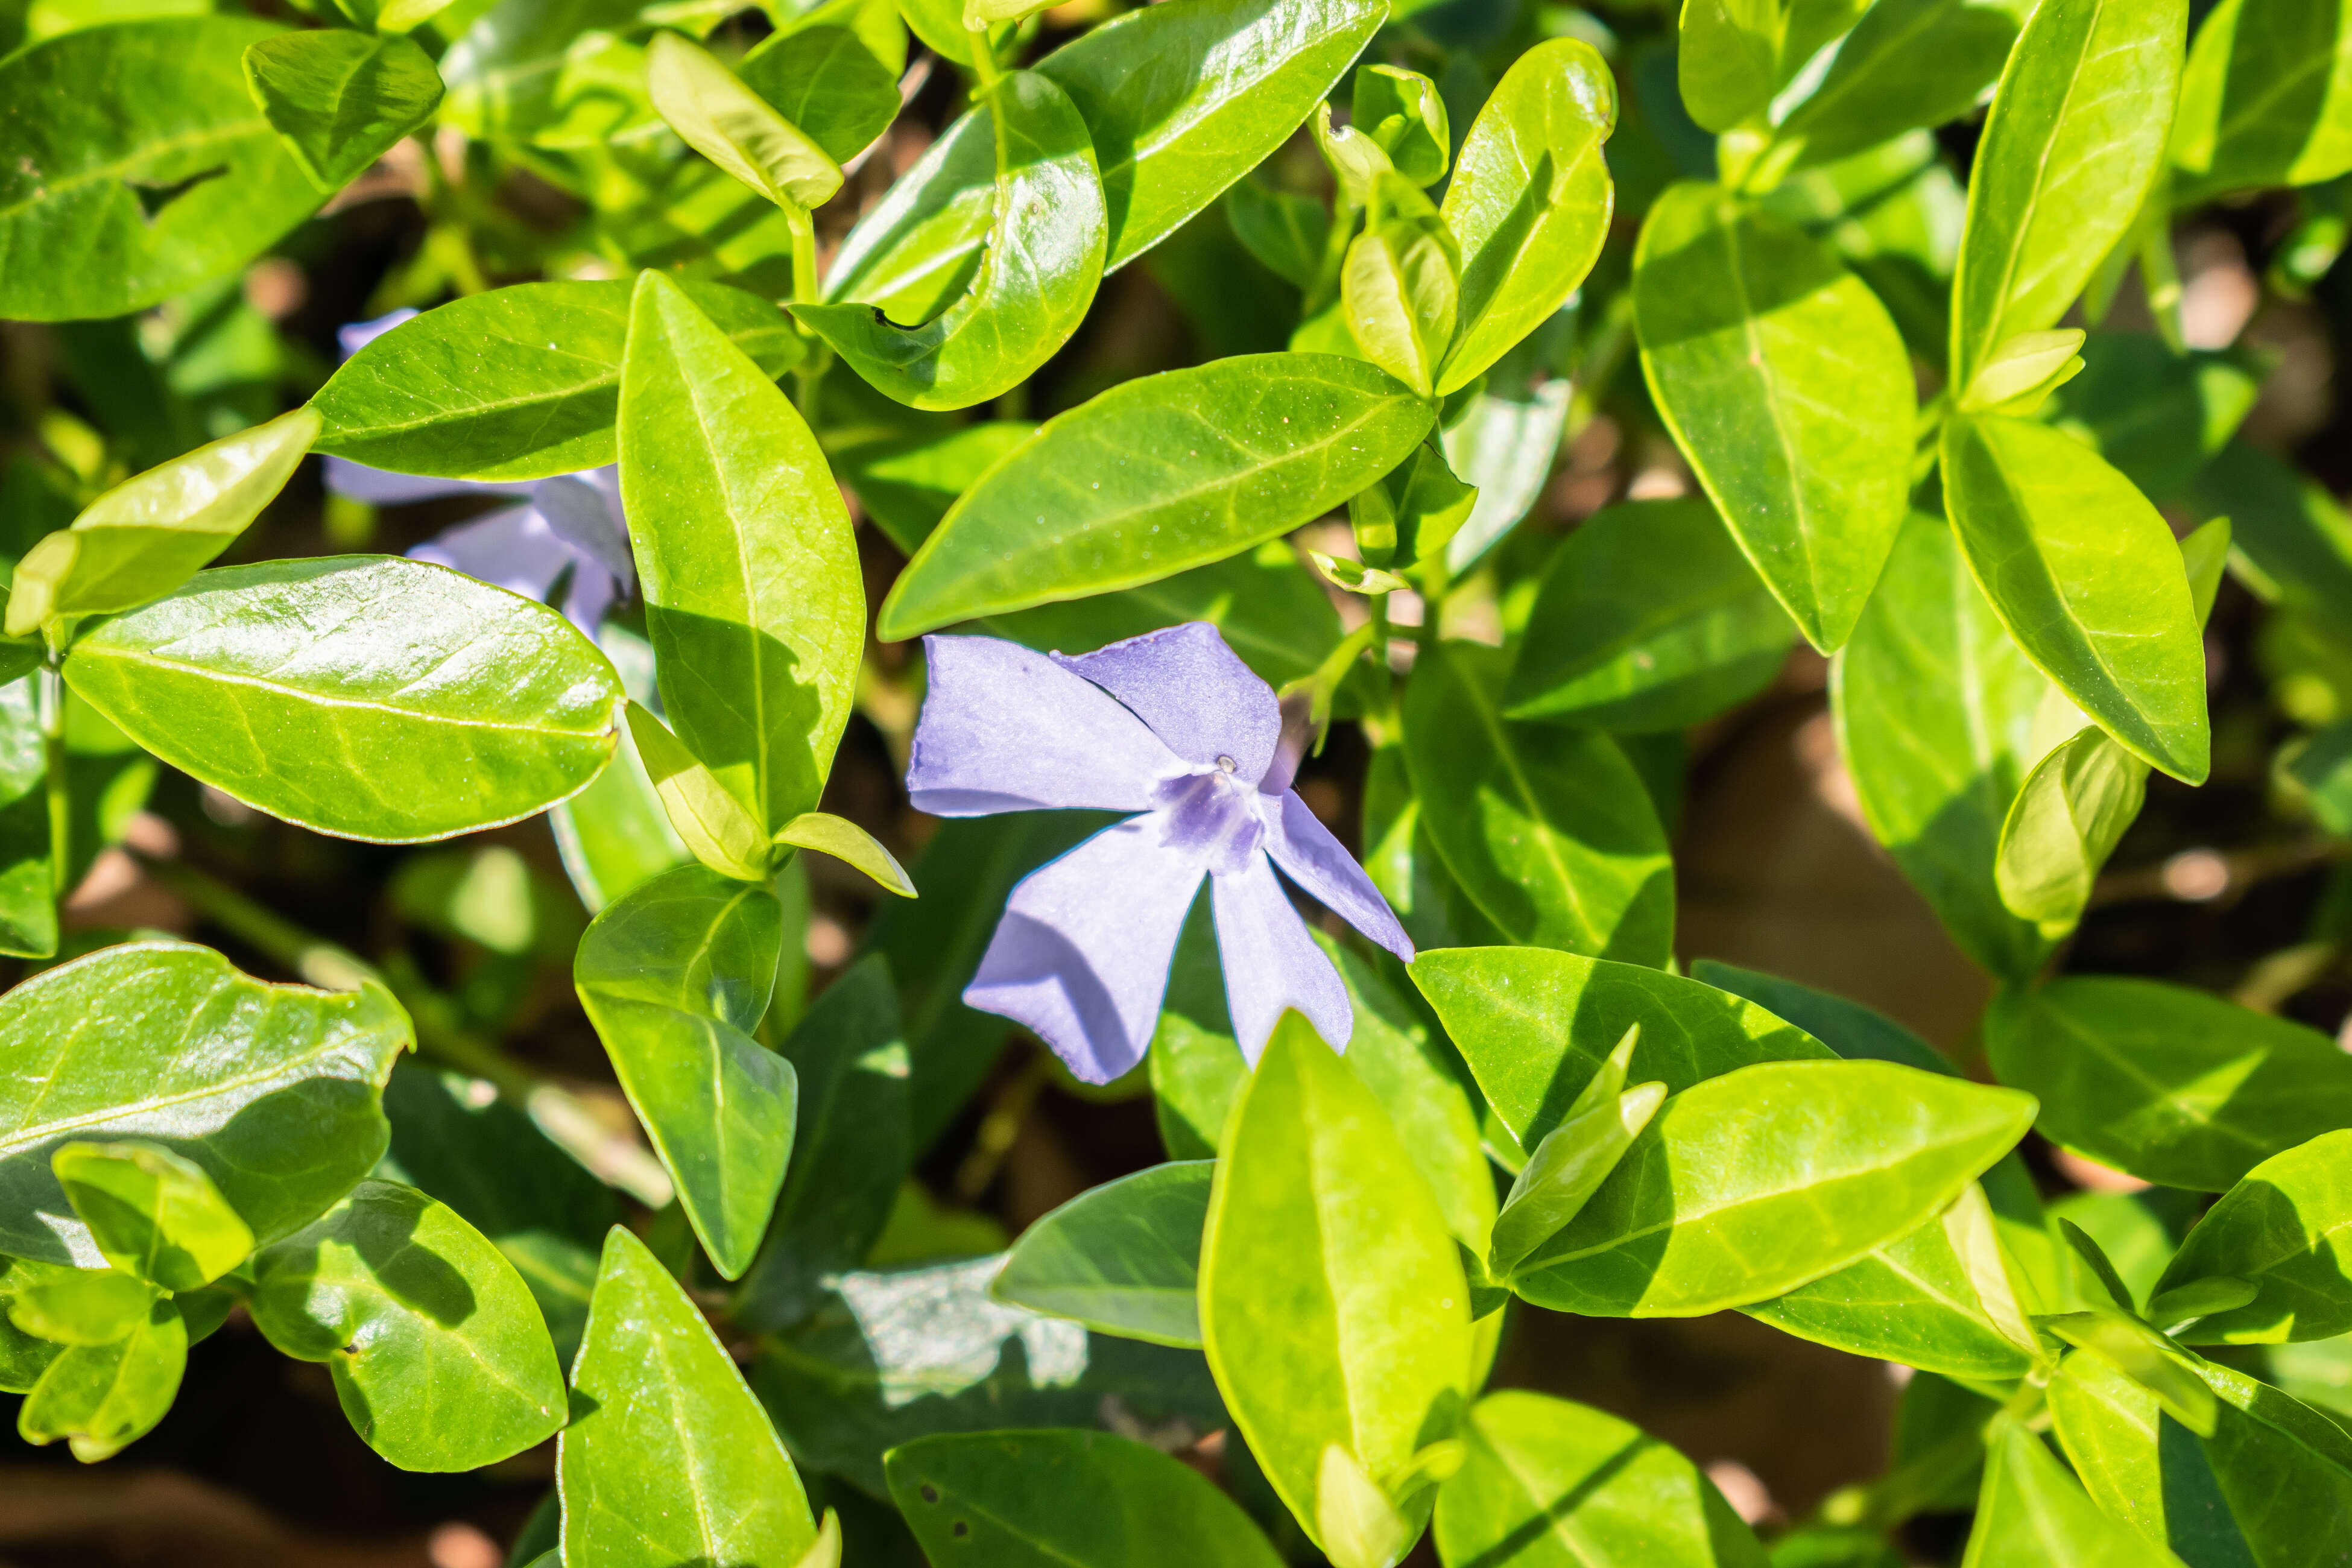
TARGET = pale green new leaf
(850,844)
(153,1214)
(716,827)
(2032,1510)
(85,1306)
(669,1459)
(1332,1304)
(366,696)
(438,1351)
(102,1398)
(1785,383)
(147,535)
(274,1090)
(2066,821)
(753,598)
(735,128)
(1158,475)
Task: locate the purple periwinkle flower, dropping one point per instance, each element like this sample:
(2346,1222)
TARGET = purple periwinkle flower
(1175,726)
(571,522)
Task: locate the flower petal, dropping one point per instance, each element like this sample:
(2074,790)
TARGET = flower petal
(514,549)
(1007,729)
(584,510)
(1081,956)
(1271,963)
(354,336)
(1195,693)
(382,487)
(1317,862)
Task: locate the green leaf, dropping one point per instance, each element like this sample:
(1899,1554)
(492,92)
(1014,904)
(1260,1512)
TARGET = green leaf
(2032,1510)
(1546,828)
(2088,580)
(617,832)
(147,535)
(753,598)
(917,250)
(2284,1470)
(1907,63)
(907,485)
(668,1458)
(1534,1026)
(153,1214)
(103,1398)
(1504,443)
(522,383)
(735,128)
(273,1089)
(28,897)
(366,696)
(1182,101)
(133,167)
(454,1140)
(1531,200)
(1567,1168)
(1042,264)
(2287,528)
(1269,610)
(1854,1031)
(1333,1306)
(851,845)
(341,100)
(1727,61)
(1123,1258)
(85,1306)
(2171,1085)
(1066,1500)
(1935,709)
(1551,1484)
(1248,448)
(851,1148)
(1785,383)
(2262,101)
(1401,110)
(507,71)
(2287,1228)
(2159,417)
(2076,137)
(715,826)
(1400,288)
(1750,1184)
(829,82)
(415,1315)
(2064,823)
(1648,619)
(674,976)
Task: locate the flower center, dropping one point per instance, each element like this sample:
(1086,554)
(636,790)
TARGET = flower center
(1213,816)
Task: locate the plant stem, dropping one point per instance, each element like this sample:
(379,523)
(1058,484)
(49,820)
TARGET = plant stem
(58,786)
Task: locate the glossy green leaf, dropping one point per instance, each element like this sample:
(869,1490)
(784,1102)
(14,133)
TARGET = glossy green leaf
(518,383)
(674,976)
(851,1148)
(1750,1184)
(1400,288)
(2087,578)
(85,1306)
(918,250)
(341,100)
(102,1398)
(147,535)
(2283,1470)
(1331,1302)
(1935,709)
(133,167)
(1567,1168)
(1245,449)
(453,1139)
(28,900)
(1504,443)
(1785,383)
(1043,260)
(829,82)
(850,844)
(1536,1025)
(1546,828)
(2267,97)
(753,598)
(1727,61)
(1066,1500)
(2032,1510)
(1907,63)
(712,824)
(2286,1228)
(720,118)
(2066,820)
(273,1089)
(1648,619)
(2075,136)
(365,696)
(668,1458)
(2171,1085)
(416,1315)
(153,1214)
(1123,1258)
(1531,200)
(1551,1484)
(1401,110)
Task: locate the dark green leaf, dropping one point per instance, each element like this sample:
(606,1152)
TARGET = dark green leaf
(2286,1228)
(827,81)
(2262,100)
(1123,1258)
(1854,1031)
(338,98)
(907,484)
(2157,416)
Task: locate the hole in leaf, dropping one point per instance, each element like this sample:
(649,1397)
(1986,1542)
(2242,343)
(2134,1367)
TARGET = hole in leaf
(959,1530)
(154,198)
(931,1493)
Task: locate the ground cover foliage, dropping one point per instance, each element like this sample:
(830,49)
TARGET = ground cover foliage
(739,628)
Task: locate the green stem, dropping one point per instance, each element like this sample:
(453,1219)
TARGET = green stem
(983,61)
(58,784)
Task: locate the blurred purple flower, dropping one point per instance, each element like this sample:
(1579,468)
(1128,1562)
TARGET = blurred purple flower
(570,522)
(1173,725)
